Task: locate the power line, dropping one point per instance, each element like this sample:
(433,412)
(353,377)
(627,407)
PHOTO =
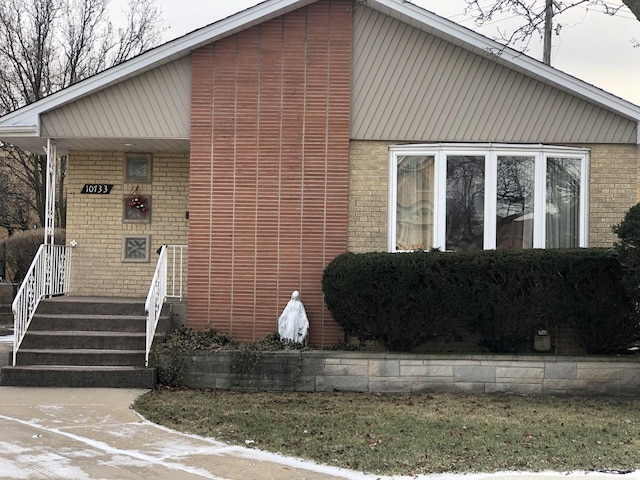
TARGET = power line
(467,17)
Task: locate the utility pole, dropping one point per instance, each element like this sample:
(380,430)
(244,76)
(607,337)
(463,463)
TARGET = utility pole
(548,27)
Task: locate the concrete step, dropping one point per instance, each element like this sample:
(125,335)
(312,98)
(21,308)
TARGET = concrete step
(70,339)
(86,322)
(86,356)
(6,315)
(78,376)
(92,306)
(85,342)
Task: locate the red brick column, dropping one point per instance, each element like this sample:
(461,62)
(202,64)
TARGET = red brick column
(269,171)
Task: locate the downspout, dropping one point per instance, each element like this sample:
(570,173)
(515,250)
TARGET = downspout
(50,199)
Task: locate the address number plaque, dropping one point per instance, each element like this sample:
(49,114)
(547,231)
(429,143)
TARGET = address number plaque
(97,188)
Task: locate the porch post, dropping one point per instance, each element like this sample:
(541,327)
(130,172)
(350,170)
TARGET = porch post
(50,200)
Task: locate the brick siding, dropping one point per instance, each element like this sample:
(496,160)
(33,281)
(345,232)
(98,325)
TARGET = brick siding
(368,196)
(613,190)
(95,221)
(269,171)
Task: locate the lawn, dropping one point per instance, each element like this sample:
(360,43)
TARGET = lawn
(413,434)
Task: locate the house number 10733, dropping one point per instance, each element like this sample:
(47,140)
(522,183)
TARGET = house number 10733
(97,188)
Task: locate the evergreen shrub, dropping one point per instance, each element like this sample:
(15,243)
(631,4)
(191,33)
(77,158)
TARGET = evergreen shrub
(406,299)
(628,250)
(401,300)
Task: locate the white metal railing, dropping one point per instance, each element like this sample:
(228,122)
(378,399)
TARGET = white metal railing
(168,282)
(48,275)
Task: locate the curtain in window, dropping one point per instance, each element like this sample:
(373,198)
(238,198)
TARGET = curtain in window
(414,220)
(563,202)
(465,202)
(514,202)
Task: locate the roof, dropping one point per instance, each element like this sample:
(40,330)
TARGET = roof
(22,127)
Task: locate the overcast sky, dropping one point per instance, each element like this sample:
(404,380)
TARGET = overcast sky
(591,46)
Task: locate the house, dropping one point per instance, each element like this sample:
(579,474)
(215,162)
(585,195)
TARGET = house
(278,138)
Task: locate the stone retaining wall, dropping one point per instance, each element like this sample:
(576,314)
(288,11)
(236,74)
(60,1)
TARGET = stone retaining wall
(323,371)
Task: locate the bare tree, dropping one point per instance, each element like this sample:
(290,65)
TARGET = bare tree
(16,206)
(537,17)
(47,45)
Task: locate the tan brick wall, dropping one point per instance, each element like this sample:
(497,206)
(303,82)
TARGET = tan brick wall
(95,221)
(368,196)
(614,188)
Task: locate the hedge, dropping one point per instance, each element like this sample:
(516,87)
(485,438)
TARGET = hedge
(406,299)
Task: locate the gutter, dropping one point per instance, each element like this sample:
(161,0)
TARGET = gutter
(19,131)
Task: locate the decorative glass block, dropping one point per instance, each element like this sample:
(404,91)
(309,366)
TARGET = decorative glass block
(137,167)
(136,248)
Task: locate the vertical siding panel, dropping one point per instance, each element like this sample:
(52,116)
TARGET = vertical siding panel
(457,88)
(467,102)
(391,46)
(154,104)
(223,188)
(521,101)
(499,96)
(313,168)
(246,183)
(563,121)
(269,171)
(582,111)
(368,45)
(338,153)
(443,83)
(418,104)
(199,260)
(409,78)
(546,122)
(293,146)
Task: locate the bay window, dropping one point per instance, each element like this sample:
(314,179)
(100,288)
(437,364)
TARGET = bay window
(462,197)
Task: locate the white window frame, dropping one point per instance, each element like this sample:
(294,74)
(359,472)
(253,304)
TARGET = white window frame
(491,152)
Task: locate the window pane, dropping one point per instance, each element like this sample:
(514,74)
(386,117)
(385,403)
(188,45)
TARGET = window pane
(514,206)
(414,220)
(465,202)
(563,203)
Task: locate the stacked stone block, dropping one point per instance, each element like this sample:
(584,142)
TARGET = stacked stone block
(411,373)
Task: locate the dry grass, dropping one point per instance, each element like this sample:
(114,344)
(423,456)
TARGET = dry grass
(413,434)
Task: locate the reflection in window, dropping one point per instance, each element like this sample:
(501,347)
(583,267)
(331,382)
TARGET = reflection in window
(414,218)
(562,203)
(465,202)
(481,196)
(514,202)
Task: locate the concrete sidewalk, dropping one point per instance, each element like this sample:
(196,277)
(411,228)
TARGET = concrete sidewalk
(93,434)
